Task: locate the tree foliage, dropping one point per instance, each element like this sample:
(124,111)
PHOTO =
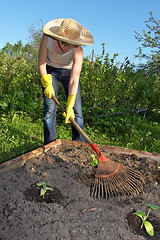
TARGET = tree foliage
(150,37)
(19,78)
(150,40)
(108,87)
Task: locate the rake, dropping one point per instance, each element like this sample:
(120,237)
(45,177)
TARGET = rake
(112,179)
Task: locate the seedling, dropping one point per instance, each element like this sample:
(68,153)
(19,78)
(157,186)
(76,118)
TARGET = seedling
(148,226)
(94,161)
(44,188)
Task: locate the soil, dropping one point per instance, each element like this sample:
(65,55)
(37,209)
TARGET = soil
(68,212)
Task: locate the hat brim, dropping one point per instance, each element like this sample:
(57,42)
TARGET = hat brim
(52,27)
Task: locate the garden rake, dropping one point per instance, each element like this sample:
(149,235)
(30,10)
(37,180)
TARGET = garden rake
(111,179)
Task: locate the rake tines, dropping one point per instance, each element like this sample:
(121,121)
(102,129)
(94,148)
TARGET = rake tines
(123,181)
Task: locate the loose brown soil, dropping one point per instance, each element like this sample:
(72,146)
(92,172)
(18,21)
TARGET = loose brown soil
(68,212)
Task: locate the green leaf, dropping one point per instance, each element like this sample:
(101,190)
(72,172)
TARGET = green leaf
(113,129)
(14,117)
(43,191)
(152,206)
(3,104)
(48,188)
(149,228)
(94,161)
(41,184)
(140,214)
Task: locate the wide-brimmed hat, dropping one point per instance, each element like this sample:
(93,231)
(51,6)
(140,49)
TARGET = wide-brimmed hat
(68,30)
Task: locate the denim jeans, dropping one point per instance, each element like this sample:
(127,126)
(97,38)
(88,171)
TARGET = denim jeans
(50,107)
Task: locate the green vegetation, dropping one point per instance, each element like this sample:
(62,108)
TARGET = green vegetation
(148,226)
(44,188)
(94,160)
(121,101)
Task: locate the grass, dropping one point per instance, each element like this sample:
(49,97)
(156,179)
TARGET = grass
(21,134)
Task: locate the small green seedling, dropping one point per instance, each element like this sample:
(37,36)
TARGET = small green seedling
(44,188)
(148,226)
(94,161)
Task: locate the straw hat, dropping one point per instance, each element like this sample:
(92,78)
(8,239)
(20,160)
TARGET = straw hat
(68,30)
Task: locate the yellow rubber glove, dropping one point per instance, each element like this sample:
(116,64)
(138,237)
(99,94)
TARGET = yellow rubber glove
(69,108)
(46,81)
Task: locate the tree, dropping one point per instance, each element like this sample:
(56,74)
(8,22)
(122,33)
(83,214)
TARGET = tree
(35,38)
(150,38)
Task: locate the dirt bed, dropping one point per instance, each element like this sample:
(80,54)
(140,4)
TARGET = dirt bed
(68,212)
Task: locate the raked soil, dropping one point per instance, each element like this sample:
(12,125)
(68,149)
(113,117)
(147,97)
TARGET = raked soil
(68,212)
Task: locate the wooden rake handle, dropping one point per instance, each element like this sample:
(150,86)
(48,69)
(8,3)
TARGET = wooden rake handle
(79,129)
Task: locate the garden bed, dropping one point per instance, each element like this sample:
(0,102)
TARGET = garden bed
(68,212)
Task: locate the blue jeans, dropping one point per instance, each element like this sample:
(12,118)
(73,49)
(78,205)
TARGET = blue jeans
(50,107)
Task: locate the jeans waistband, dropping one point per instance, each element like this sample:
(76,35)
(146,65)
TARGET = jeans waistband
(58,70)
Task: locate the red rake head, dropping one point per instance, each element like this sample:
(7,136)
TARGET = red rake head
(106,167)
(113,179)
